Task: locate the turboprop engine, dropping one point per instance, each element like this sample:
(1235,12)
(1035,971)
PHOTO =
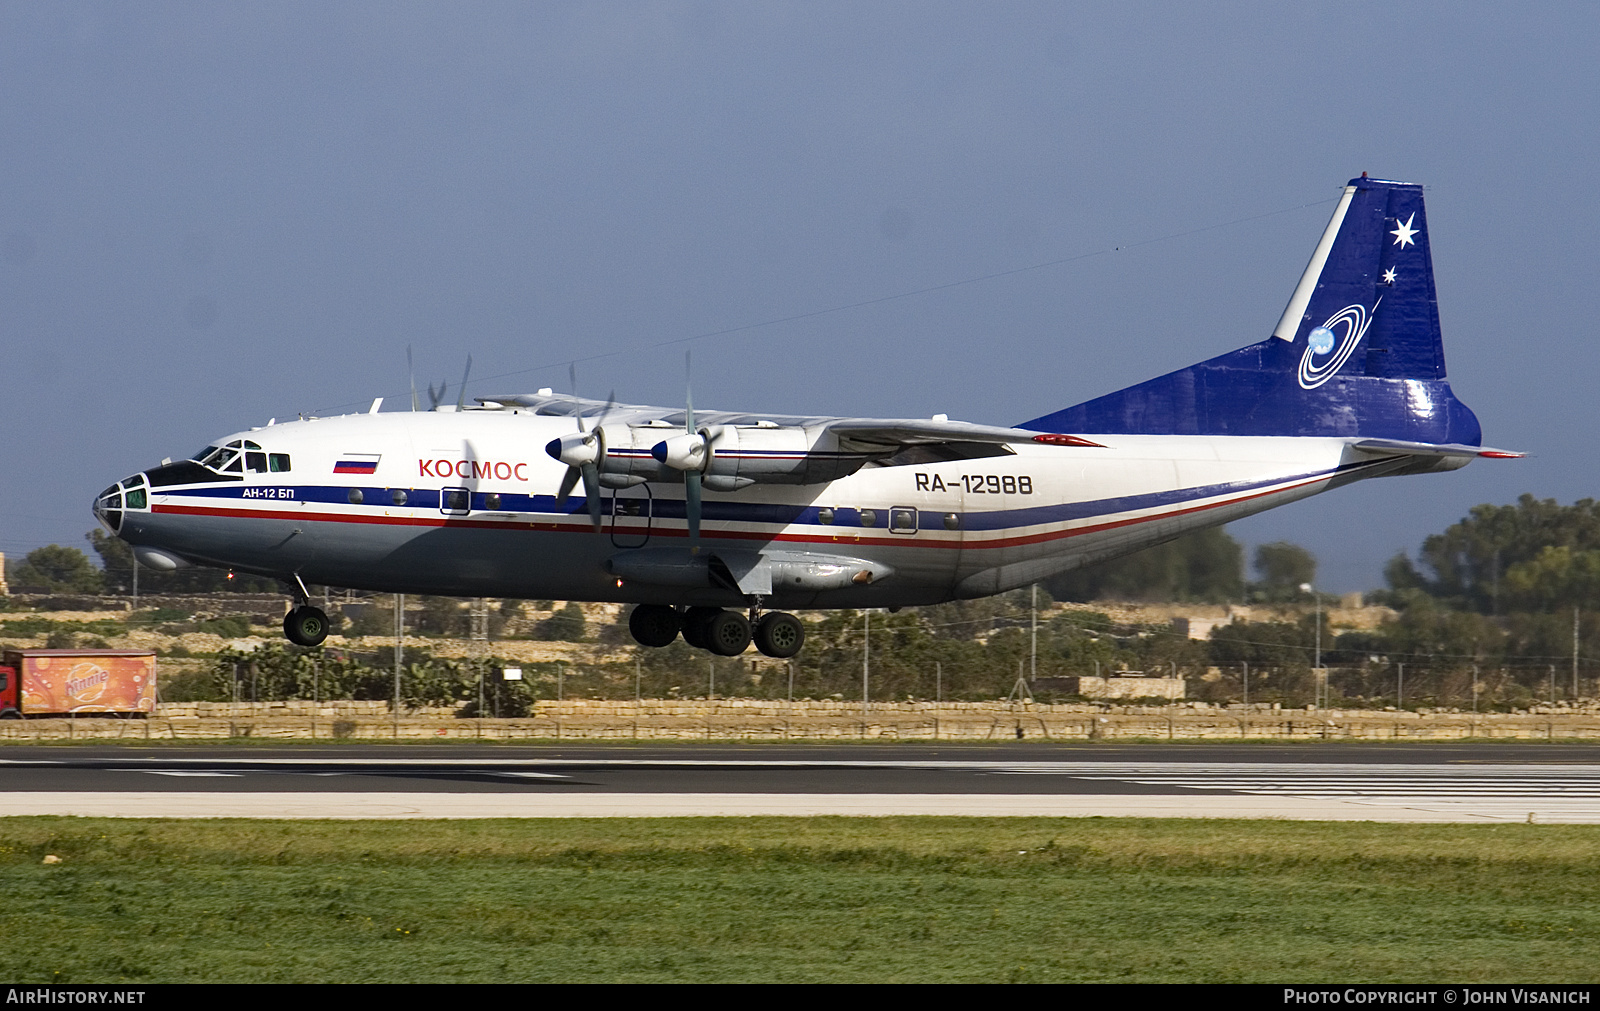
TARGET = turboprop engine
(728,457)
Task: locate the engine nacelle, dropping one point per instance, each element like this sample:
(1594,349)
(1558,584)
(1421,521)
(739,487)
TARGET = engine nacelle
(739,455)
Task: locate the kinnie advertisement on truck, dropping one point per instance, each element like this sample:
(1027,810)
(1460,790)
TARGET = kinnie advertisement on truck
(86,683)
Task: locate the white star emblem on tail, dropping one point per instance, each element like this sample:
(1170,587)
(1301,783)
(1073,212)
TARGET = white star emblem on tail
(1403,234)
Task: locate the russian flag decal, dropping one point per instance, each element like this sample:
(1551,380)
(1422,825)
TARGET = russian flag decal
(357,463)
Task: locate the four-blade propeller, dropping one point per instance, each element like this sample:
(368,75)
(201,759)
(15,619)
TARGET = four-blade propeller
(690,453)
(582,453)
(584,450)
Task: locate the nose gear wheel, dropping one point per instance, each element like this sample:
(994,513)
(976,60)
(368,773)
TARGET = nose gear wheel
(306,625)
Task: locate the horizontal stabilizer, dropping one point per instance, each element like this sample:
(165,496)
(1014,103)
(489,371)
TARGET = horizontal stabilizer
(1433,449)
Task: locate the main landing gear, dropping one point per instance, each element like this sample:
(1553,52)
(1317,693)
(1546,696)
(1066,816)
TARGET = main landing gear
(725,633)
(304,625)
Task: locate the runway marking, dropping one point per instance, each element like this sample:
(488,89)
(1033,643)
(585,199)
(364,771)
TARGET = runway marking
(377,772)
(1337,791)
(667,805)
(670,805)
(1502,793)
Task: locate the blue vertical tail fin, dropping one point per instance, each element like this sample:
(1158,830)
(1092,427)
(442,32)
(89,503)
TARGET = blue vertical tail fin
(1357,353)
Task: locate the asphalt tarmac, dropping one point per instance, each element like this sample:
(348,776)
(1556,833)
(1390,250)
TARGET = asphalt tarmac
(1342,781)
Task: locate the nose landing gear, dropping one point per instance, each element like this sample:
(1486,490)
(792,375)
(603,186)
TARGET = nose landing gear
(304,625)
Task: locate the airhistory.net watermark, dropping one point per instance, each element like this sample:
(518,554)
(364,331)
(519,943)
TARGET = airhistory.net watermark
(70,995)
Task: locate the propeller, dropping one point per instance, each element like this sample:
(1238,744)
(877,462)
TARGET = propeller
(411,369)
(690,453)
(436,396)
(582,453)
(461,399)
(691,478)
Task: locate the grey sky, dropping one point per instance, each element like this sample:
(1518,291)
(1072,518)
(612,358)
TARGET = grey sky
(211,214)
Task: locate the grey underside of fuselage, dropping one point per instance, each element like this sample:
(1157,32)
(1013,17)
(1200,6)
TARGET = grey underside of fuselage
(521,562)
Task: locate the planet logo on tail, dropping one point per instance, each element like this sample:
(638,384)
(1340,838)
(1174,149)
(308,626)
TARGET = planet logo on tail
(1327,349)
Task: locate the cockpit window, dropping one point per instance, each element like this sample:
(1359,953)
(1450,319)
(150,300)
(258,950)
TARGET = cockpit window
(228,459)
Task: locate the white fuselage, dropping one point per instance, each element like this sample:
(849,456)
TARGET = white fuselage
(464,504)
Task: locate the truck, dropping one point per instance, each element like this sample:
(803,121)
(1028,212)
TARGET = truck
(77,682)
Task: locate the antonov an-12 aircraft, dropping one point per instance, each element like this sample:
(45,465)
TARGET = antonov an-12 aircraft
(715,524)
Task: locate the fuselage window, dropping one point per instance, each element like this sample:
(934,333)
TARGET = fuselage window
(398,496)
(491,500)
(356,496)
(278,463)
(869,518)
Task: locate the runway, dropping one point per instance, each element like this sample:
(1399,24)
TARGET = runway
(1391,783)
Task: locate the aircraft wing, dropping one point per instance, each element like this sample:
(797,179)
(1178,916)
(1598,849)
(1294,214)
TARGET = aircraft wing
(868,432)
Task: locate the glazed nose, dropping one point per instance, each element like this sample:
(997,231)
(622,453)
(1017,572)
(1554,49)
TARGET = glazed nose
(129,493)
(108,508)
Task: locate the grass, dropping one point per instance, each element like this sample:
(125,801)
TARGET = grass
(795,900)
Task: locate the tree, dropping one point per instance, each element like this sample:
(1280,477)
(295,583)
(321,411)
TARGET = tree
(441,616)
(1283,568)
(1204,565)
(116,559)
(565,625)
(1556,579)
(55,569)
(1470,564)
